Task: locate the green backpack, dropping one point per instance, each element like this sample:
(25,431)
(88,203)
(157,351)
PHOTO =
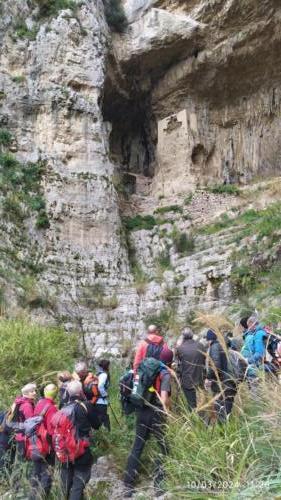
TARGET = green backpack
(147,372)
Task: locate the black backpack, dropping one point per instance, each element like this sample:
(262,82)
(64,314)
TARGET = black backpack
(126,384)
(154,350)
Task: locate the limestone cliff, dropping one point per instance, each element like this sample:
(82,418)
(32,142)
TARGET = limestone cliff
(132,124)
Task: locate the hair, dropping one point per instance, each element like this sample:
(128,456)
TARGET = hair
(80,366)
(28,388)
(104,364)
(74,388)
(64,376)
(187,333)
(253,319)
(244,322)
(153,329)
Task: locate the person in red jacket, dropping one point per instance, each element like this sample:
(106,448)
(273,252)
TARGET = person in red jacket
(150,347)
(24,410)
(41,475)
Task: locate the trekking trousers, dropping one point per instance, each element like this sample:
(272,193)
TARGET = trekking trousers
(41,477)
(74,479)
(190,395)
(148,421)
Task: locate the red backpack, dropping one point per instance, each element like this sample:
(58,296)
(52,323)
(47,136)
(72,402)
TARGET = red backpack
(66,442)
(37,439)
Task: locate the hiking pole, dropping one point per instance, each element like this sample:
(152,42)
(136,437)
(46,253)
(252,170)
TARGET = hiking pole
(114,415)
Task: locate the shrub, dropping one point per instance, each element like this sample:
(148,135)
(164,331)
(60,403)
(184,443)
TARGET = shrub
(225,189)
(139,222)
(171,208)
(140,278)
(42,220)
(22,31)
(29,352)
(5,137)
(18,78)
(163,260)
(188,199)
(49,8)
(184,245)
(115,15)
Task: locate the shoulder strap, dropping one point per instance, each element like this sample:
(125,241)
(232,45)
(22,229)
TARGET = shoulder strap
(45,410)
(82,405)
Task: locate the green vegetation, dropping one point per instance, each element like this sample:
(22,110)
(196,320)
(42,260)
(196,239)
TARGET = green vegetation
(140,278)
(238,460)
(163,261)
(22,31)
(5,137)
(115,15)
(139,222)
(188,199)
(171,208)
(29,352)
(20,185)
(18,78)
(225,189)
(183,244)
(50,8)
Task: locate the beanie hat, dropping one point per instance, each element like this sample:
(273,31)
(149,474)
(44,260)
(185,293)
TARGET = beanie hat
(166,355)
(50,391)
(211,335)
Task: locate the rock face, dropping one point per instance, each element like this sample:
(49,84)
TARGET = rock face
(178,101)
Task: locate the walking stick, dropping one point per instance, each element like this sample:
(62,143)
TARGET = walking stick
(114,415)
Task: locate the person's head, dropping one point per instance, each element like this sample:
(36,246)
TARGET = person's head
(187,333)
(104,364)
(211,336)
(244,323)
(29,391)
(81,369)
(153,329)
(252,322)
(50,391)
(166,356)
(63,377)
(74,389)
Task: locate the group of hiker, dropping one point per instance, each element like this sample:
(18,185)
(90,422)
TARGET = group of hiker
(56,429)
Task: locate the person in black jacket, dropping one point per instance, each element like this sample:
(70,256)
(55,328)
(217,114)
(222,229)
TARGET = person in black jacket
(217,377)
(75,476)
(191,358)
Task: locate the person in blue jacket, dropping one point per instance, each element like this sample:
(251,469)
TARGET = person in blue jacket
(254,348)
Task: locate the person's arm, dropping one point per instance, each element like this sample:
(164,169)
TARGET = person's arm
(259,346)
(140,353)
(165,400)
(48,419)
(101,385)
(27,410)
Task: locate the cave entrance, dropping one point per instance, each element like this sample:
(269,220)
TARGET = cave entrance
(133,135)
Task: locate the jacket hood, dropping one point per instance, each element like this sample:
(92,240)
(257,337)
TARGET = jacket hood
(154,339)
(22,399)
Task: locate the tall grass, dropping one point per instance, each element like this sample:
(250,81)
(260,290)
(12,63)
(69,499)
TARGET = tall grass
(30,352)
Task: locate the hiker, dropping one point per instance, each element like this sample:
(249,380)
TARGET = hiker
(218,379)
(80,371)
(254,342)
(63,378)
(191,356)
(24,410)
(103,384)
(150,418)
(41,475)
(73,450)
(151,347)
